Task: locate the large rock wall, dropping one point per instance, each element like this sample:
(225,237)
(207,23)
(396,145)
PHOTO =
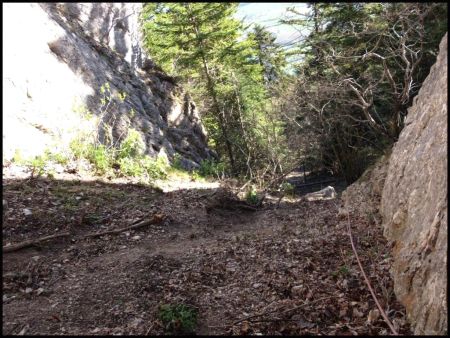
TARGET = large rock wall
(414,205)
(57,57)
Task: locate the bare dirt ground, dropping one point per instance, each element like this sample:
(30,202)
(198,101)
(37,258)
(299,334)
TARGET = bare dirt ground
(288,270)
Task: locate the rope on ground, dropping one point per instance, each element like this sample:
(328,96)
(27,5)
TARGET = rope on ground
(385,317)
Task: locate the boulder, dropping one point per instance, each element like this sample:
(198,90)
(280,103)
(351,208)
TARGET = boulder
(327,193)
(414,205)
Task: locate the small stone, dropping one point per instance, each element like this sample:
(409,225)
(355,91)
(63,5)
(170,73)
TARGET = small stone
(357,313)
(27,212)
(28,290)
(39,291)
(257,285)
(373,315)
(297,290)
(135,238)
(35,258)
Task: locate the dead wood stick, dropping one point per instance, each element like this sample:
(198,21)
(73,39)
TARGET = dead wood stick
(386,319)
(156,219)
(31,242)
(281,313)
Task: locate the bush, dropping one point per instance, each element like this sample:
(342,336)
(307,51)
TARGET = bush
(38,164)
(288,188)
(100,157)
(178,318)
(132,146)
(155,169)
(176,162)
(211,168)
(130,167)
(252,196)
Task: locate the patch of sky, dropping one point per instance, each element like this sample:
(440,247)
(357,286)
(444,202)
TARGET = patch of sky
(269,14)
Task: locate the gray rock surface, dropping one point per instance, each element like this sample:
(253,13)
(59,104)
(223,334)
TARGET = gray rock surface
(414,205)
(55,69)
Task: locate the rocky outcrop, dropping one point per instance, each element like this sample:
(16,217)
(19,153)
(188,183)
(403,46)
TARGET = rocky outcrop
(56,66)
(406,192)
(414,205)
(363,197)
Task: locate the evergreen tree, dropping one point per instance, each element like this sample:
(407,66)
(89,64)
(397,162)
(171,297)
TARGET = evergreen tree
(204,44)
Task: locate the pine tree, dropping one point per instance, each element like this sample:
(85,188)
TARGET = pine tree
(194,39)
(271,55)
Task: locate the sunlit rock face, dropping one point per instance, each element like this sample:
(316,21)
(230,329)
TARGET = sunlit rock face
(58,56)
(414,205)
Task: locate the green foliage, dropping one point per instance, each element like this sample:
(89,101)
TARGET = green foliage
(155,169)
(130,167)
(343,271)
(79,147)
(195,176)
(362,64)
(57,157)
(18,158)
(41,164)
(252,196)
(211,168)
(133,146)
(178,318)
(176,162)
(100,157)
(38,165)
(224,71)
(288,188)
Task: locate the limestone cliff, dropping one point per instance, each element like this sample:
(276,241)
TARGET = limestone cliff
(57,58)
(414,204)
(406,191)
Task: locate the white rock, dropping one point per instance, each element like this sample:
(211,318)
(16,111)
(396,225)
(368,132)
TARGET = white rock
(135,238)
(27,212)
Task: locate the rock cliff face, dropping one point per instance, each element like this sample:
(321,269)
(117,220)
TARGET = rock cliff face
(406,191)
(57,58)
(414,204)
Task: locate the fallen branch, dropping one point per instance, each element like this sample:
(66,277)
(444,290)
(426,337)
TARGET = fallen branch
(157,218)
(281,313)
(25,244)
(386,319)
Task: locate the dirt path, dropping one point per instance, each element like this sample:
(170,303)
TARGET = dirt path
(288,270)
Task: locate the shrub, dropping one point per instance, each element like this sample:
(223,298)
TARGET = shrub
(79,148)
(155,169)
(288,188)
(38,164)
(100,157)
(178,318)
(176,162)
(131,167)
(132,146)
(211,168)
(252,196)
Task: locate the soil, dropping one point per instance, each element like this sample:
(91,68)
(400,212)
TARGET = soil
(282,269)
